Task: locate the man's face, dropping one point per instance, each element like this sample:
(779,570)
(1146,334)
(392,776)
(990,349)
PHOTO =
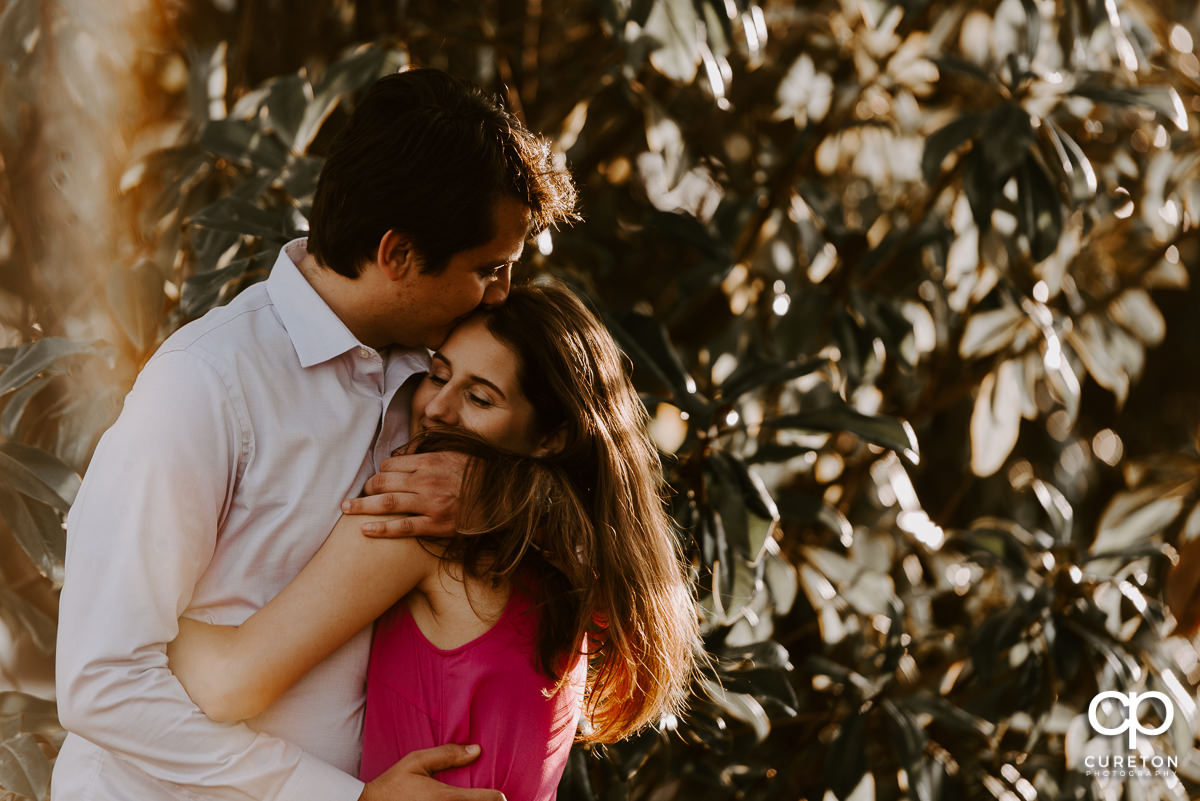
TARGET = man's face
(477,277)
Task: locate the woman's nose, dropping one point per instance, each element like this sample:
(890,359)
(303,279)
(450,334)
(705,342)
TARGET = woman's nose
(440,409)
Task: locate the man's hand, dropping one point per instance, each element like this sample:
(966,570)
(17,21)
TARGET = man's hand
(409,779)
(422,489)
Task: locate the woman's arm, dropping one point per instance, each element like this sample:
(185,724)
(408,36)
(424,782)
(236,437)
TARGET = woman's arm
(235,672)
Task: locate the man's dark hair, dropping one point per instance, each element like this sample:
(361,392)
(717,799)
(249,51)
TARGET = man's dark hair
(428,155)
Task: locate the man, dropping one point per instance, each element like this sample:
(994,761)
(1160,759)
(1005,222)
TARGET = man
(249,427)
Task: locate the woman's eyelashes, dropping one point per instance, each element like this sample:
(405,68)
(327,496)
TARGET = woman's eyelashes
(474,396)
(480,401)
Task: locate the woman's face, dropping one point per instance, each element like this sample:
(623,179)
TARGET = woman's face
(473,384)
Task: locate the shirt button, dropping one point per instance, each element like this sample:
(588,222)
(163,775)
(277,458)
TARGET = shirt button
(363,353)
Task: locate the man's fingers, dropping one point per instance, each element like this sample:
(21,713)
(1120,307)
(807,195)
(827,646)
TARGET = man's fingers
(389,503)
(395,527)
(442,757)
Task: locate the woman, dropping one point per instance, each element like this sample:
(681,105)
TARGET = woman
(564,591)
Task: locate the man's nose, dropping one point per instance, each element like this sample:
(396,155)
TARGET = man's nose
(497,291)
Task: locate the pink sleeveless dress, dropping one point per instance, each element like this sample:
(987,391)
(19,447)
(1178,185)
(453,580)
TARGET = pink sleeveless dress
(489,692)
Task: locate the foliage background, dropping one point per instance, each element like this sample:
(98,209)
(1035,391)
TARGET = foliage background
(906,287)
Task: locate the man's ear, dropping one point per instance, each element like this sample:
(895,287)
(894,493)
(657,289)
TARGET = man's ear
(552,443)
(397,255)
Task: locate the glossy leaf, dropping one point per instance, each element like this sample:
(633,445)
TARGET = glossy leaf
(1131,518)
(24,769)
(38,474)
(909,741)
(751,375)
(238,216)
(20,712)
(287,102)
(136,297)
(945,141)
(31,359)
(346,76)
(848,755)
(1163,99)
(243,143)
(989,331)
(646,341)
(888,432)
(39,533)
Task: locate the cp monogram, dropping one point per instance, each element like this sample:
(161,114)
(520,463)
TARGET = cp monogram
(1131,724)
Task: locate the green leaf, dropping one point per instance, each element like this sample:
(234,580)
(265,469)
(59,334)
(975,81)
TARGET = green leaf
(745,708)
(1075,167)
(37,530)
(980,187)
(754,492)
(24,769)
(908,739)
(718,558)
(996,418)
(1033,28)
(235,215)
(342,77)
(752,374)
(18,403)
(1041,211)
(847,756)
(766,684)
(45,354)
(136,297)
(961,66)
(22,713)
(1163,99)
(646,342)
(287,101)
(673,25)
(204,290)
(1007,137)
(20,31)
(41,627)
(989,331)
(300,177)
(1132,518)
(946,140)
(887,432)
(38,474)
(810,509)
(243,143)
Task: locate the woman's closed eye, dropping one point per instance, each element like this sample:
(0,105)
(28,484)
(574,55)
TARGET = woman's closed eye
(480,401)
(436,380)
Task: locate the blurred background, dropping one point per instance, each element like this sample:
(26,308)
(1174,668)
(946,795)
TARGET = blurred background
(906,287)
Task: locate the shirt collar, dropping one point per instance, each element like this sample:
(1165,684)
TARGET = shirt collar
(317,334)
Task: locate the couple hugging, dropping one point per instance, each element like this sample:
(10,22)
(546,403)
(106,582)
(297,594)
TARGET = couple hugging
(226,634)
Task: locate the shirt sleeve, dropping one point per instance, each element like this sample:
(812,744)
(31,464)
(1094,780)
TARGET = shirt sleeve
(139,536)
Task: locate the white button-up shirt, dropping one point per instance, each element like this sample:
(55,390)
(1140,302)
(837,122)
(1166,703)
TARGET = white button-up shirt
(219,481)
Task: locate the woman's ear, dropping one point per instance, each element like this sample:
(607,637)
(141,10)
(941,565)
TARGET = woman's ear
(553,443)
(397,255)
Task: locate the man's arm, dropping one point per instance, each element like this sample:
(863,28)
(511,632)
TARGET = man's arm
(141,533)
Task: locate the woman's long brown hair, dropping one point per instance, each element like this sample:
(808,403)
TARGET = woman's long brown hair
(583,531)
